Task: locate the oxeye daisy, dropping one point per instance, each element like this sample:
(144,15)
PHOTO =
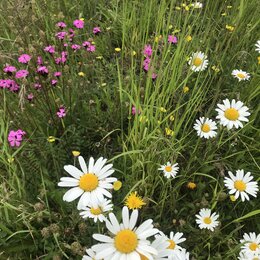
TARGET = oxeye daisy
(248,256)
(169,170)
(257,46)
(241,185)
(232,113)
(198,61)
(126,241)
(180,254)
(251,243)
(97,210)
(133,201)
(205,127)
(90,183)
(207,220)
(240,75)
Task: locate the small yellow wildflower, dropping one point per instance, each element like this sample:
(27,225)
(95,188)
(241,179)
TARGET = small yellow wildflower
(187,8)
(133,53)
(215,68)
(117,185)
(191,185)
(158,38)
(162,109)
(258,59)
(177,8)
(183,5)
(10,160)
(188,38)
(171,118)
(82,19)
(93,43)
(117,49)
(133,201)
(169,132)
(76,153)
(159,121)
(224,14)
(232,198)
(81,74)
(170,26)
(143,119)
(51,139)
(186,89)
(229,6)
(230,28)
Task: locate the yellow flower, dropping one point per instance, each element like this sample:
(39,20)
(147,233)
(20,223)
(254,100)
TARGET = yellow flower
(232,198)
(162,109)
(177,8)
(157,38)
(117,185)
(117,49)
(171,118)
(170,26)
(76,153)
(188,38)
(143,119)
(133,201)
(215,68)
(51,139)
(81,74)
(168,131)
(186,89)
(93,43)
(229,6)
(187,8)
(230,28)
(133,53)
(82,19)
(224,14)
(191,185)
(183,5)
(159,121)
(258,59)
(10,160)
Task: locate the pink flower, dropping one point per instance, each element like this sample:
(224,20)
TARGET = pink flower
(64,55)
(30,97)
(21,74)
(54,82)
(50,49)
(39,60)
(134,110)
(62,112)
(24,58)
(96,30)
(148,50)
(65,45)
(78,24)
(61,25)
(9,84)
(61,35)
(75,47)
(15,137)
(37,86)
(172,39)
(43,70)
(86,44)
(57,74)
(154,76)
(9,69)
(91,48)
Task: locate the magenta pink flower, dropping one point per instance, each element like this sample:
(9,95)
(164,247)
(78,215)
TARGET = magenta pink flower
(30,97)
(154,76)
(54,82)
(21,74)
(148,50)
(64,55)
(9,69)
(43,70)
(24,58)
(61,25)
(57,74)
(9,84)
(62,112)
(172,39)
(75,47)
(134,110)
(86,44)
(37,86)
(39,60)
(96,30)
(61,35)
(91,48)
(50,49)
(78,24)
(15,137)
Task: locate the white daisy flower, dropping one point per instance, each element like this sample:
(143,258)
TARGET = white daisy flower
(205,127)
(251,243)
(181,254)
(97,210)
(169,170)
(91,255)
(90,183)
(232,113)
(198,61)
(127,241)
(241,185)
(240,75)
(197,5)
(161,245)
(257,46)
(207,220)
(248,256)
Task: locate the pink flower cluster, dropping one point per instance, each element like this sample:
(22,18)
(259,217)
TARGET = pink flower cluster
(9,84)
(15,137)
(62,112)
(146,63)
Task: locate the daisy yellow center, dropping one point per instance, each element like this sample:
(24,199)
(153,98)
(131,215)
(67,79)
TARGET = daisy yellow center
(240,185)
(205,128)
(143,257)
(231,114)
(96,211)
(241,76)
(88,182)
(253,246)
(168,168)
(207,220)
(197,62)
(126,241)
(172,244)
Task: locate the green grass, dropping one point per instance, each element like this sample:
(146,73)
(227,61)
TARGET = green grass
(34,220)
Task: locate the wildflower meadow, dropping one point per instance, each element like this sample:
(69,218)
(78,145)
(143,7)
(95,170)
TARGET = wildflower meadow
(129,130)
